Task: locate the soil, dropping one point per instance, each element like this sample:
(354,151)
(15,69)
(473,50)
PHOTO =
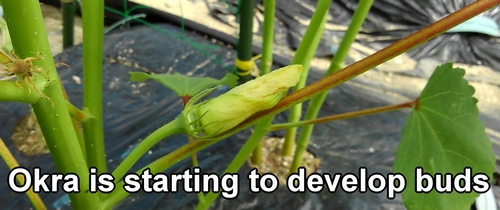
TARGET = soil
(28,137)
(279,165)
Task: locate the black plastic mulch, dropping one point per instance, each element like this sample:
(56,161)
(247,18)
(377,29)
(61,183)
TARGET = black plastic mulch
(133,111)
(387,21)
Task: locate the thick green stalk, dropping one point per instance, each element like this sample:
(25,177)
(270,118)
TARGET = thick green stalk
(93,27)
(304,55)
(176,126)
(337,62)
(68,16)
(260,130)
(266,61)
(27,31)
(244,49)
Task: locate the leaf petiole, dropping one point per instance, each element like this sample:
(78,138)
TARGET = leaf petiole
(344,116)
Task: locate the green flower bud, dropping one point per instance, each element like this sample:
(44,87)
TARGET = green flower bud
(222,113)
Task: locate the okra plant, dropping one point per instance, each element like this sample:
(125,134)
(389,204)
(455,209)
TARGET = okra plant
(443,133)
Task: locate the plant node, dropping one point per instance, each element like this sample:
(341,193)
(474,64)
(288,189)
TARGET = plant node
(23,68)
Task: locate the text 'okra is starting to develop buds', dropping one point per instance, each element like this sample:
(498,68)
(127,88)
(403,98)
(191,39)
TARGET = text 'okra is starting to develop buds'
(224,112)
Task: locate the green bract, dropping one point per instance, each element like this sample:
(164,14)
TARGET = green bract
(222,113)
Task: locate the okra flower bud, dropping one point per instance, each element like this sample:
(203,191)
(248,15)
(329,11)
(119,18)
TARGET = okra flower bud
(224,112)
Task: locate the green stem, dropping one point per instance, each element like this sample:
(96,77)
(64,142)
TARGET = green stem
(268,37)
(76,126)
(267,58)
(343,116)
(244,49)
(93,27)
(359,16)
(68,16)
(29,37)
(260,130)
(10,91)
(158,166)
(12,163)
(338,60)
(176,126)
(256,158)
(304,55)
(367,63)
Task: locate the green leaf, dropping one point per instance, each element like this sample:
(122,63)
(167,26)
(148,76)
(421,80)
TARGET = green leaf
(184,85)
(443,134)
